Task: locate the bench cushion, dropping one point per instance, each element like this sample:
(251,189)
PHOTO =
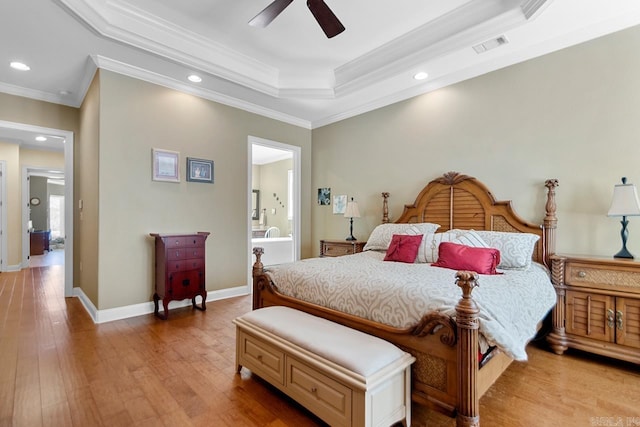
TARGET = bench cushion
(354,350)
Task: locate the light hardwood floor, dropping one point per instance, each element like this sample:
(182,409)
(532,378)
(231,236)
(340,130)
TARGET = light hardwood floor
(57,368)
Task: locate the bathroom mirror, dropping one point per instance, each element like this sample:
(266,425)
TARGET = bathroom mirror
(255,205)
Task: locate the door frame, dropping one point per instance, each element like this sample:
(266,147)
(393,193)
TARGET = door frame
(68,194)
(297,190)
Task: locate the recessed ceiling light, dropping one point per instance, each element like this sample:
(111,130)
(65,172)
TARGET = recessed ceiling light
(20,66)
(41,138)
(421,75)
(194,78)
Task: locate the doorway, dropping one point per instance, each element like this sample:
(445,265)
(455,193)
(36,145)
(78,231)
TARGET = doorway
(11,131)
(273,200)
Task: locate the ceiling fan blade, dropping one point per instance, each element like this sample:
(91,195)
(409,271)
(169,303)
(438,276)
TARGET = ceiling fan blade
(325,17)
(269,13)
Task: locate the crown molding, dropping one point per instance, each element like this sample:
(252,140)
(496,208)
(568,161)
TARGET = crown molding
(124,22)
(168,82)
(132,26)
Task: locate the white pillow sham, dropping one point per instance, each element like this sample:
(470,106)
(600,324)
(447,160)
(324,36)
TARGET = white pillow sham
(516,249)
(463,237)
(381,235)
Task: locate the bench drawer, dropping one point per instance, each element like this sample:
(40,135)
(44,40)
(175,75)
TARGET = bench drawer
(261,358)
(322,395)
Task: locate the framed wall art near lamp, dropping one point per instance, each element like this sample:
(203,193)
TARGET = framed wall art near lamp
(166,165)
(199,170)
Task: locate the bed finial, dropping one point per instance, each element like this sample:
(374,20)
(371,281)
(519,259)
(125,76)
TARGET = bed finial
(467,320)
(385,208)
(550,220)
(258,268)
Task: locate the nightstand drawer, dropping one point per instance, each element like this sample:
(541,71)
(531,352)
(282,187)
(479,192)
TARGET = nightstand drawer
(340,247)
(333,250)
(599,276)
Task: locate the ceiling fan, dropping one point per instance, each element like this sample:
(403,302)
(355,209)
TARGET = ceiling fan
(325,17)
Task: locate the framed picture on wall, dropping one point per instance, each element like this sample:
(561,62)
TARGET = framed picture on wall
(199,170)
(324,196)
(339,204)
(166,165)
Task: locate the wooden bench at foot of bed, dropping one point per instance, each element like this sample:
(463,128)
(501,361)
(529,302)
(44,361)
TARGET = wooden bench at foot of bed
(345,377)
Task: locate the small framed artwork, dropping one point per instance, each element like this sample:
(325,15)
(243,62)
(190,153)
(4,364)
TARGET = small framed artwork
(199,170)
(166,165)
(324,196)
(339,204)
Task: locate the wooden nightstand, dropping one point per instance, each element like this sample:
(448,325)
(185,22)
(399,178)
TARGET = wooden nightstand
(598,307)
(340,247)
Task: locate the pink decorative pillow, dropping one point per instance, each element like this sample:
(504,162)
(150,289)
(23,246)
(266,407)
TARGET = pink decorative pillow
(403,248)
(461,257)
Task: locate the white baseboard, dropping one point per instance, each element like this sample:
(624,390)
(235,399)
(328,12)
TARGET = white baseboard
(118,313)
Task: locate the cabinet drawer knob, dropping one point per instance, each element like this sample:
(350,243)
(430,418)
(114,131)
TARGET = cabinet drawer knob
(582,274)
(314,389)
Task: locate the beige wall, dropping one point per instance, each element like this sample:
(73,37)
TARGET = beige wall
(572,115)
(86,220)
(135,117)
(10,153)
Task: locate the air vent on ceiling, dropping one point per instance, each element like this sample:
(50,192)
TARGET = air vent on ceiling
(490,44)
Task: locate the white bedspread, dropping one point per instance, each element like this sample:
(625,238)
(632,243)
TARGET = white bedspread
(399,294)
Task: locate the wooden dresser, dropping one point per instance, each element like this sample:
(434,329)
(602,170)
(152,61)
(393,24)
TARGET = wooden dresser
(340,247)
(39,242)
(598,307)
(180,269)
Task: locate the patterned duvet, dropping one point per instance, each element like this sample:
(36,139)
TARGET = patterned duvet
(399,294)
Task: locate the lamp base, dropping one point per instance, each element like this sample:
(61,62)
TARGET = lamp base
(351,238)
(624,253)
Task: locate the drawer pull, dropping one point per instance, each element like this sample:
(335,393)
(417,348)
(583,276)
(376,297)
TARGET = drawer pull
(186,282)
(610,318)
(582,274)
(314,389)
(619,320)
(259,357)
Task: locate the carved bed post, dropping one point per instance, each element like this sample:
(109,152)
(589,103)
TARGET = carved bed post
(550,221)
(557,338)
(385,208)
(468,324)
(258,269)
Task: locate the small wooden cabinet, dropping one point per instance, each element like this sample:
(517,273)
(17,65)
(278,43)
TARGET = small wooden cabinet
(598,308)
(179,269)
(340,247)
(39,242)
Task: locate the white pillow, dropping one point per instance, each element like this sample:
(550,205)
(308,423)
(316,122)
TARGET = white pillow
(462,237)
(381,236)
(516,249)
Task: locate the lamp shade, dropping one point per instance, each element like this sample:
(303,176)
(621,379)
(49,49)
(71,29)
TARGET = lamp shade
(352,210)
(625,200)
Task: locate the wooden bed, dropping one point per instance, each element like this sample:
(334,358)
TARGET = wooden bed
(446,375)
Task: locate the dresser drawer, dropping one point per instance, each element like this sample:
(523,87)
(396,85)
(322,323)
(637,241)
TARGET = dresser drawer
(324,396)
(601,276)
(184,265)
(185,242)
(261,358)
(184,253)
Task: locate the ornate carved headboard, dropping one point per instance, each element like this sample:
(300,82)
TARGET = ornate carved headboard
(459,201)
